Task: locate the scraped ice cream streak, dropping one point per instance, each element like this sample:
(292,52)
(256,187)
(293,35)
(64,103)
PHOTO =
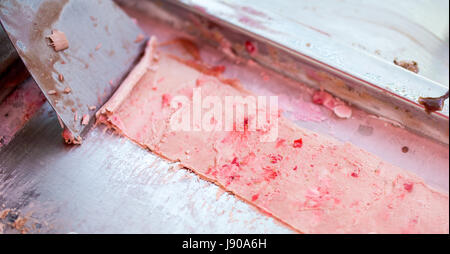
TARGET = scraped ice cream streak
(310,182)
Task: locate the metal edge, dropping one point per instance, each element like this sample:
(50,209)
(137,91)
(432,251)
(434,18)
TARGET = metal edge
(374,85)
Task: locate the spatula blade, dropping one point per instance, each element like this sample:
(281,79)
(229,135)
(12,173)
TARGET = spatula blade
(103,46)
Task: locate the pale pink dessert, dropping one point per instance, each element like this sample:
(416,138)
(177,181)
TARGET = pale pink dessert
(310,182)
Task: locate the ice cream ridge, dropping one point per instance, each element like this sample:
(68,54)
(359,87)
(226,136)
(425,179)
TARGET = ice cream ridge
(310,182)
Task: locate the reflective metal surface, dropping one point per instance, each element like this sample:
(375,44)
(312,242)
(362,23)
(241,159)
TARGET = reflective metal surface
(296,49)
(7,52)
(386,29)
(101,50)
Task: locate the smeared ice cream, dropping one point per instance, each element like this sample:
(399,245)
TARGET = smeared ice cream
(337,106)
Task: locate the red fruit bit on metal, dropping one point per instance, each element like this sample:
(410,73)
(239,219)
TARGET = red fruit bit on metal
(408,186)
(250,47)
(254,197)
(298,143)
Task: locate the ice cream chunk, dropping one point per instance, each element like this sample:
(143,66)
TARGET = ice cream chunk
(310,182)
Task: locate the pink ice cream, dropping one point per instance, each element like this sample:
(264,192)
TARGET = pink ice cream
(337,106)
(310,182)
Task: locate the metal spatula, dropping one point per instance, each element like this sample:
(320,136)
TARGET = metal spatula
(103,45)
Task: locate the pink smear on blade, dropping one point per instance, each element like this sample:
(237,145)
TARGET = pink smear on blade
(18,108)
(313,183)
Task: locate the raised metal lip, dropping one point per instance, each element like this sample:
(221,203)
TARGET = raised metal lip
(338,58)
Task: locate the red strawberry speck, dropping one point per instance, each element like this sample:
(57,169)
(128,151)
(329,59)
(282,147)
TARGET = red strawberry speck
(298,143)
(235,162)
(354,174)
(254,197)
(295,168)
(250,47)
(408,186)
